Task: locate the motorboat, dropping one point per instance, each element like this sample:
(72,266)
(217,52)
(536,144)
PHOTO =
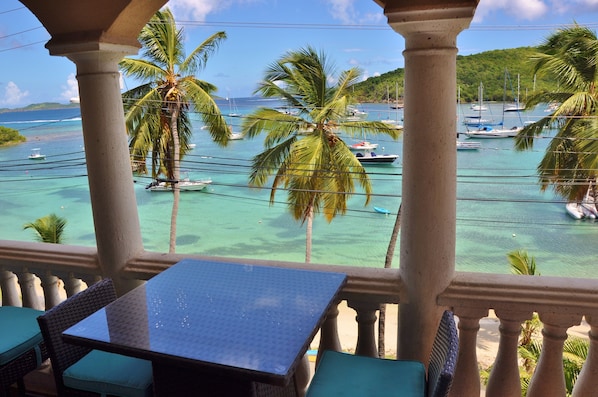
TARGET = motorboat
(364,145)
(36,154)
(478,108)
(368,156)
(185,185)
(364,151)
(468,145)
(354,114)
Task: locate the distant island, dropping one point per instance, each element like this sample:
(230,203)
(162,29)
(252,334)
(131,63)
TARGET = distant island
(42,106)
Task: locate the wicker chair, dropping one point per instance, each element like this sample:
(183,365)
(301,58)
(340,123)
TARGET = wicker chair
(340,374)
(81,371)
(22,348)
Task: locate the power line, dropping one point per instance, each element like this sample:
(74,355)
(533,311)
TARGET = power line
(12,10)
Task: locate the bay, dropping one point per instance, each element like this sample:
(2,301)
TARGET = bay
(500,207)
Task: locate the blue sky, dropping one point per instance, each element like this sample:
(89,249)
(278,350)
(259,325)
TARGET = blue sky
(350,32)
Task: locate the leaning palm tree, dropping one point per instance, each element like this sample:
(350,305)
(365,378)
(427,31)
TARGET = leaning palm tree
(570,56)
(303,148)
(48,229)
(157,111)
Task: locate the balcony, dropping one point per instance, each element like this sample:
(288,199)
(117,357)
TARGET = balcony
(561,304)
(426,282)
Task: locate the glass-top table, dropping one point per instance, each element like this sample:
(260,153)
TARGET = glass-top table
(214,325)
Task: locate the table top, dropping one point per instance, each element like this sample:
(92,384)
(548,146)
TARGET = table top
(255,321)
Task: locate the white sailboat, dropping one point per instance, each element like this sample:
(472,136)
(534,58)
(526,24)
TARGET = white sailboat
(516,106)
(478,120)
(389,120)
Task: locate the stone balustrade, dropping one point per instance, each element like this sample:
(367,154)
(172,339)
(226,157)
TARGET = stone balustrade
(560,304)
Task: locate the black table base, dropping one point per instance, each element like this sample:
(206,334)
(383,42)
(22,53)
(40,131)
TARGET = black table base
(174,381)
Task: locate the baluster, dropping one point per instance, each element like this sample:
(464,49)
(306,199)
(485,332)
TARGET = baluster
(549,377)
(50,285)
(505,378)
(467,375)
(587,381)
(30,299)
(329,339)
(72,285)
(9,286)
(302,376)
(366,320)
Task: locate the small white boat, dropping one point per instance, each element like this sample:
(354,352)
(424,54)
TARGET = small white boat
(489,133)
(468,145)
(514,107)
(185,185)
(478,108)
(234,136)
(574,210)
(364,151)
(368,156)
(588,205)
(36,154)
(364,145)
(354,114)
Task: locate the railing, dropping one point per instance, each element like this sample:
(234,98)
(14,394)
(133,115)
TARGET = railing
(560,303)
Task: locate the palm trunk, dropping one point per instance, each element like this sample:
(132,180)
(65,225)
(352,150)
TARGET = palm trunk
(176,175)
(308,234)
(387,265)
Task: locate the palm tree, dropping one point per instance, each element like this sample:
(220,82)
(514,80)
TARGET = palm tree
(48,229)
(521,263)
(157,111)
(570,56)
(303,149)
(390,251)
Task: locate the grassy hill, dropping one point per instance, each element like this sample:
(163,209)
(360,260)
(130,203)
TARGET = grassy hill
(41,106)
(487,68)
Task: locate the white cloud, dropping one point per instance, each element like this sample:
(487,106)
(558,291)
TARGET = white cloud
(71,89)
(198,10)
(195,10)
(574,7)
(520,10)
(342,10)
(13,95)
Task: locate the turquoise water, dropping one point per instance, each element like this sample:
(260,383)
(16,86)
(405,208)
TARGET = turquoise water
(500,207)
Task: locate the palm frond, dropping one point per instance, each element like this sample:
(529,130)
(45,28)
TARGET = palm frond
(266,163)
(198,58)
(48,229)
(521,263)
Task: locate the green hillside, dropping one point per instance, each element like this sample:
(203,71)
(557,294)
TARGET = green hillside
(487,68)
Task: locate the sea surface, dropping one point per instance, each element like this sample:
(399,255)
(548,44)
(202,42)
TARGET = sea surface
(500,207)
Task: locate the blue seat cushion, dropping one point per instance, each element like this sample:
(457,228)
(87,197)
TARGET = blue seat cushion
(110,374)
(341,374)
(19,332)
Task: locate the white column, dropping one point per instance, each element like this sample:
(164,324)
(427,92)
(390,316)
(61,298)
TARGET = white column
(114,206)
(429,170)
